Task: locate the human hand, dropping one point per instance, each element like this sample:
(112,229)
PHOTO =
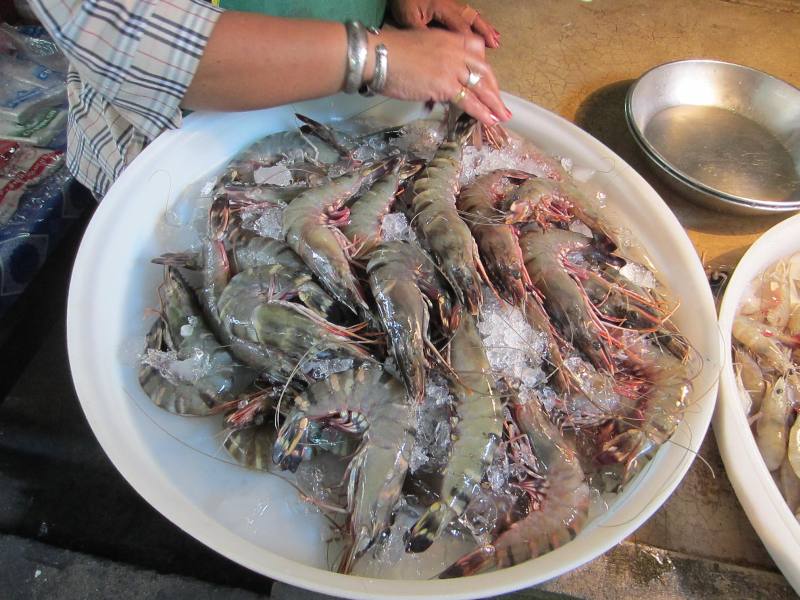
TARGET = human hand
(434,64)
(419,14)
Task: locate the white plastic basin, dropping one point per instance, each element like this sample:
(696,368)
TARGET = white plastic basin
(754,486)
(177,464)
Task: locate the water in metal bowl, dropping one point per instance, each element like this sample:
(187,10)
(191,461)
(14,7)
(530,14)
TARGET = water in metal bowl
(723,134)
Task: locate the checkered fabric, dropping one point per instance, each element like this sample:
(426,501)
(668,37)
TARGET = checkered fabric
(131,62)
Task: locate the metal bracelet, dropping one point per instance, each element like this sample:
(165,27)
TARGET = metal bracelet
(356,56)
(379,76)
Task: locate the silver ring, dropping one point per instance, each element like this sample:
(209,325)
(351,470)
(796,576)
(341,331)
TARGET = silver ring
(473,78)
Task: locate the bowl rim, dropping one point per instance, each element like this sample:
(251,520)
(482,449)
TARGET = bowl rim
(184,514)
(755,488)
(644,143)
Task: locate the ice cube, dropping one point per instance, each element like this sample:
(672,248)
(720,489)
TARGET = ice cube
(175,369)
(497,473)
(275,175)
(270,222)
(418,458)
(322,369)
(480,516)
(639,275)
(396,228)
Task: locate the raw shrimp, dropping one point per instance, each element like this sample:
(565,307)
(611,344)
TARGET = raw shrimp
(310,227)
(433,200)
(250,250)
(403,279)
(546,201)
(660,389)
(751,375)
(184,331)
(765,341)
(252,445)
(544,253)
(366,399)
(497,241)
(563,499)
(774,306)
(216,275)
(293,148)
(476,436)
(417,139)
(772,428)
(247,250)
(273,282)
(367,213)
(290,329)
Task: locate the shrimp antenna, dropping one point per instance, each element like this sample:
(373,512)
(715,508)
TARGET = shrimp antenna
(288,381)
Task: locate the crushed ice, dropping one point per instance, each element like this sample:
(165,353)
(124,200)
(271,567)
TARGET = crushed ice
(176,370)
(396,228)
(432,446)
(322,369)
(639,274)
(275,175)
(269,223)
(515,349)
(477,162)
(480,516)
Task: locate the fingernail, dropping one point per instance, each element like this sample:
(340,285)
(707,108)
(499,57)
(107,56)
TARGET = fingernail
(494,120)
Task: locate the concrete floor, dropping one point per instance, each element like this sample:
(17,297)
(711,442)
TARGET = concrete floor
(71,527)
(577,58)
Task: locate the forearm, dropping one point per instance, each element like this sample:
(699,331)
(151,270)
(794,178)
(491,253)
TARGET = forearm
(255,61)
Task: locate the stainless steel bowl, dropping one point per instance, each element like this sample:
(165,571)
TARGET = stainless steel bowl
(724,135)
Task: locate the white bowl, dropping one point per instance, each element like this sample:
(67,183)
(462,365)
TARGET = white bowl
(255,519)
(755,488)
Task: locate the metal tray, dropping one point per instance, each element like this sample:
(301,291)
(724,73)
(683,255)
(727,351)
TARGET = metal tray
(725,135)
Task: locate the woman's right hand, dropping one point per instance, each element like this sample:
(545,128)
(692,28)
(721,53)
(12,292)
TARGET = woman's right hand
(434,64)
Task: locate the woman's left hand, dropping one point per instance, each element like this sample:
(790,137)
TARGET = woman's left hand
(456,17)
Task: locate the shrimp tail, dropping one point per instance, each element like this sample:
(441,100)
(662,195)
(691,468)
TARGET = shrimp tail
(324,133)
(461,128)
(428,527)
(472,563)
(183,260)
(409,168)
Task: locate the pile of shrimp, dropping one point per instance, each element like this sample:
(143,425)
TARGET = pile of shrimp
(766,355)
(435,317)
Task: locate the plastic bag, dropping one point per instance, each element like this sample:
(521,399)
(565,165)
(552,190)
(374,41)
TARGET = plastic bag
(40,50)
(41,130)
(21,167)
(21,99)
(30,72)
